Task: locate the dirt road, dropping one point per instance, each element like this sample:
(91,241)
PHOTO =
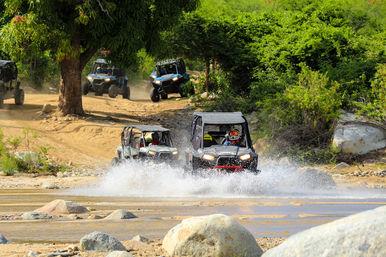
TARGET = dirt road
(88,141)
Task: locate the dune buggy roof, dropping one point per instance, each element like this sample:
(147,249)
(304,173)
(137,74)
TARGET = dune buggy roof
(169,61)
(4,62)
(149,128)
(102,61)
(221,117)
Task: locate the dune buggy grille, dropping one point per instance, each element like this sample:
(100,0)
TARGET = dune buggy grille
(228,161)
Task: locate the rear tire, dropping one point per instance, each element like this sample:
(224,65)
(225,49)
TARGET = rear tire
(126,93)
(85,88)
(113,91)
(19,97)
(154,95)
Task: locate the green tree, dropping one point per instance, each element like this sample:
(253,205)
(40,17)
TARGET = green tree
(74,30)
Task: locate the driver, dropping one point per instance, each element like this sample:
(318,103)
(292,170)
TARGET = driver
(99,70)
(233,138)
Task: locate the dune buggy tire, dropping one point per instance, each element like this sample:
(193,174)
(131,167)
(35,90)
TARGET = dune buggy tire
(126,93)
(181,91)
(1,100)
(19,97)
(154,95)
(113,91)
(85,88)
(115,162)
(99,90)
(195,165)
(164,96)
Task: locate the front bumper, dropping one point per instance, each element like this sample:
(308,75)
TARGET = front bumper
(231,164)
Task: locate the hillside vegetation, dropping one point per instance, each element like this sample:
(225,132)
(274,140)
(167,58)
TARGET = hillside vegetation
(296,64)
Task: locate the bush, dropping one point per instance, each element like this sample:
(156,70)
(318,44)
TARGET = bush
(375,105)
(8,164)
(303,116)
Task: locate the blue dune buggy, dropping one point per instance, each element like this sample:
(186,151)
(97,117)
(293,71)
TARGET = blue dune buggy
(168,77)
(105,78)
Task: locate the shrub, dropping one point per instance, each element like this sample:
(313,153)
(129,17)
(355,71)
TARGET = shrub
(303,115)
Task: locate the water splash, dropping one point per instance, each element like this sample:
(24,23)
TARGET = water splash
(277,179)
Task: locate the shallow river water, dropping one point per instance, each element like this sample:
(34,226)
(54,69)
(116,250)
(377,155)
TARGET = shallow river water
(272,204)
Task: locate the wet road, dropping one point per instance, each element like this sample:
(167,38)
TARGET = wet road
(263,217)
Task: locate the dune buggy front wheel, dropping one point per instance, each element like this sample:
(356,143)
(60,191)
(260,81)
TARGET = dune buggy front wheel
(154,95)
(19,97)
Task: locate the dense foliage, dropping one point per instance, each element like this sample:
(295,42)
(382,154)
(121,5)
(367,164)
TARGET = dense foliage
(296,63)
(75,30)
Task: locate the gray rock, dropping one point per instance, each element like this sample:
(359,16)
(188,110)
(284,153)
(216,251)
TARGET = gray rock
(3,240)
(28,156)
(356,136)
(120,254)
(204,95)
(315,178)
(48,185)
(120,214)
(47,108)
(340,166)
(32,254)
(213,235)
(100,242)
(359,235)
(35,215)
(140,238)
(60,206)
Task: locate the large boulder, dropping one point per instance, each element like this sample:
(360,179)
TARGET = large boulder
(100,242)
(315,178)
(213,235)
(357,136)
(60,206)
(120,254)
(358,235)
(120,214)
(35,215)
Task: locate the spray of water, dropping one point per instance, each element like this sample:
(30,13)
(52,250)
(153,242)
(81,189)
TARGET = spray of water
(161,180)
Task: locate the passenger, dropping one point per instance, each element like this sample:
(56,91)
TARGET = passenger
(155,138)
(233,138)
(208,140)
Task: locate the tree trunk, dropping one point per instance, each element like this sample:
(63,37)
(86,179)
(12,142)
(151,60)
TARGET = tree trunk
(207,71)
(70,93)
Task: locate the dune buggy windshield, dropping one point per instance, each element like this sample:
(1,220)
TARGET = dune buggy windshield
(167,69)
(215,134)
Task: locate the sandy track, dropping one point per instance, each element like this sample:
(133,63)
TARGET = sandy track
(88,141)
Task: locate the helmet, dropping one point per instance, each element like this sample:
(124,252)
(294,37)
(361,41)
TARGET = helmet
(208,137)
(233,135)
(99,70)
(155,135)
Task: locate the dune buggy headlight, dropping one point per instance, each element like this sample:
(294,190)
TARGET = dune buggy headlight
(175,78)
(175,152)
(152,152)
(245,157)
(90,78)
(208,157)
(158,82)
(107,79)
(153,76)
